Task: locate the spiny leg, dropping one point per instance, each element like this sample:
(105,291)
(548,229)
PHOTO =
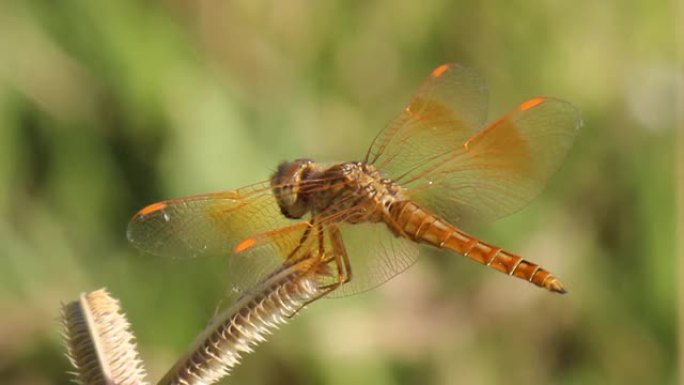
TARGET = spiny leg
(324,259)
(338,256)
(305,236)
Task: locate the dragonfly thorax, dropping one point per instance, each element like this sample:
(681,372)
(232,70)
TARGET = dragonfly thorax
(353,188)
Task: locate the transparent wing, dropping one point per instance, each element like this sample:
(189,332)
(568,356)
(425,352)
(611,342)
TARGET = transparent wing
(245,226)
(375,255)
(499,169)
(209,224)
(260,255)
(449,107)
(436,149)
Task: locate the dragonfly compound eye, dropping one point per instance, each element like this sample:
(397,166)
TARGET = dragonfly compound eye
(287,187)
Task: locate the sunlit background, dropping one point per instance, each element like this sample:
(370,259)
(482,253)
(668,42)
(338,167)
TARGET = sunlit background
(106,106)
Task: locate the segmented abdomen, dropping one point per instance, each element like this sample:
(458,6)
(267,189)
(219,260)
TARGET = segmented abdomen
(423,226)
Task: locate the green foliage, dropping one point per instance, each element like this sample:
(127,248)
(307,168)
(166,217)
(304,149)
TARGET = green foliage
(108,106)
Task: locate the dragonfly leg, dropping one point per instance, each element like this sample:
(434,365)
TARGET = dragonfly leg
(338,256)
(289,260)
(341,255)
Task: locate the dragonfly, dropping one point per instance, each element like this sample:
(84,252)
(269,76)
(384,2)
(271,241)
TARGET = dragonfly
(354,225)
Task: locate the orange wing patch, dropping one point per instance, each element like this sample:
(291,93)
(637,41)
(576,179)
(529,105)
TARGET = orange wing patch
(147,210)
(244,245)
(437,72)
(526,105)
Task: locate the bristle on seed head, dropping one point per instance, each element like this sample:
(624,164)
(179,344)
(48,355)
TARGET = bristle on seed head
(241,327)
(99,343)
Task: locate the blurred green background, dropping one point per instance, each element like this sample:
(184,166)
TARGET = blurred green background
(108,106)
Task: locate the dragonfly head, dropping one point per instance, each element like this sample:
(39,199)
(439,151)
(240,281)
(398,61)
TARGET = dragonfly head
(288,188)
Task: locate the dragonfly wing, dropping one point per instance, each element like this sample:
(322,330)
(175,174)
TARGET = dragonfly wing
(375,255)
(449,107)
(244,225)
(501,168)
(261,255)
(209,224)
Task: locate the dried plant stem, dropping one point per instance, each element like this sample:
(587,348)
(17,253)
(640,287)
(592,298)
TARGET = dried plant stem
(99,343)
(243,325)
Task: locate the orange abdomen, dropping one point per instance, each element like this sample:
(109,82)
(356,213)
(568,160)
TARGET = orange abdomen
(423,226)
